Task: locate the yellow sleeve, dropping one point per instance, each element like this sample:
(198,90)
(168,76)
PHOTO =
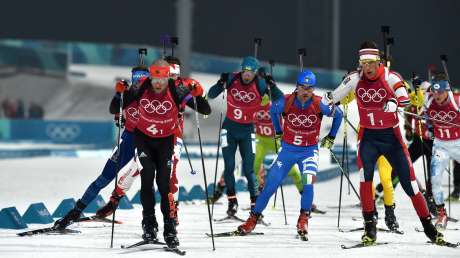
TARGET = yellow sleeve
(349,98)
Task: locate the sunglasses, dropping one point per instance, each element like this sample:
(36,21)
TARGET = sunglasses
(159,80)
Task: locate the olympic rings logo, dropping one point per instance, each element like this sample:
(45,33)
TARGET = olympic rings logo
(263,115)
(63,132)
(372,95)
(443,116)
(155,106)
(133,112)
(244,96)
(302,120)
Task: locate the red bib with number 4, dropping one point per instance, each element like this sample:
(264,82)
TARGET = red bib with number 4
(132,116)
(242,102)
(448,112)
(302,126)
(263,121)
(371,96)
(158,114)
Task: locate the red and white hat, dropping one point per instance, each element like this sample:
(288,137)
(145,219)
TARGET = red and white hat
(369,54)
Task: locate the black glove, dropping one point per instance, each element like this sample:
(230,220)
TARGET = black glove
(409,135)
(117,121)
(416,82)
(223,78)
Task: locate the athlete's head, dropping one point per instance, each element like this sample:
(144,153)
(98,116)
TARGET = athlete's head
(138,75)
(369,59)
(174,66)
(159,75)
(249,68)
(306,80)
(440,88)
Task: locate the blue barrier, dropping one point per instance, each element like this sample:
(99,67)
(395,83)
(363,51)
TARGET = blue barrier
(137,197)
(11,219)
(95,204)
(65,206)
(210,189)
(197,193)
(125,204)
(96,134)
(37,213)
(183,195)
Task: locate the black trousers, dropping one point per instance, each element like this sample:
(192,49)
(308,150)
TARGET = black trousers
(456,175)
(154,156)
(416,150)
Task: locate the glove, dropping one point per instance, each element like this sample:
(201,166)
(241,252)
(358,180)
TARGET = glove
(223,78)
(195,87)
(327,142)
(117,120)
(278,135)
(416,82)
(409,134)
(390,106)
(328,100)
(269,80)
(121,86)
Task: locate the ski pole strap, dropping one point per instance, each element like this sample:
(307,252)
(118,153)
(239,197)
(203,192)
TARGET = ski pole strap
(428,118)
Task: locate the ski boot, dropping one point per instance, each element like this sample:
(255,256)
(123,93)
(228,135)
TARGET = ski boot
(302,224)
(390,218)
(370,229)
(170,233)
(71,216)
(232,206)
(430,203)
(110,207)
(441,218)
(431,232)
(455,195)
(218,192)
(248,226)
(150,228)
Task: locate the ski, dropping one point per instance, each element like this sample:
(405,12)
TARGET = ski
(97,219)
(346,206)
(452,219)
(229,218)
(174,250)
(396,231)
(143,242)
(261,221)
(318,211)
(50,230)
(359,245)
(421,230)
(445,243)
(234,233)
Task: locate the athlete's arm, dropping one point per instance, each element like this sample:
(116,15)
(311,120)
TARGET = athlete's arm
(220,86)
(336,113)
(276,110)
(348,84)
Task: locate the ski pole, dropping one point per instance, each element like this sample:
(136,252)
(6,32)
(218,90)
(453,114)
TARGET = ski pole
(120,124)
(218,152)
(343,172)
(204,171)
(428,118)
(272,63)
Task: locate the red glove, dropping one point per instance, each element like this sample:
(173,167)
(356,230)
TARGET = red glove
(195,87)
(121,86)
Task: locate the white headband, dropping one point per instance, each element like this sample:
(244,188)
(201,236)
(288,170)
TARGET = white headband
(369,54)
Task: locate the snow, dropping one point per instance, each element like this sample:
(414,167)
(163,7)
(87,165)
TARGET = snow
(51,179)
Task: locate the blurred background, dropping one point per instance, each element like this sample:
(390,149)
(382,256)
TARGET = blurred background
(59,60)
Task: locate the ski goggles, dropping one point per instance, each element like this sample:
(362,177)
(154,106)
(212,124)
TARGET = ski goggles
(159,80)
(139,76)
